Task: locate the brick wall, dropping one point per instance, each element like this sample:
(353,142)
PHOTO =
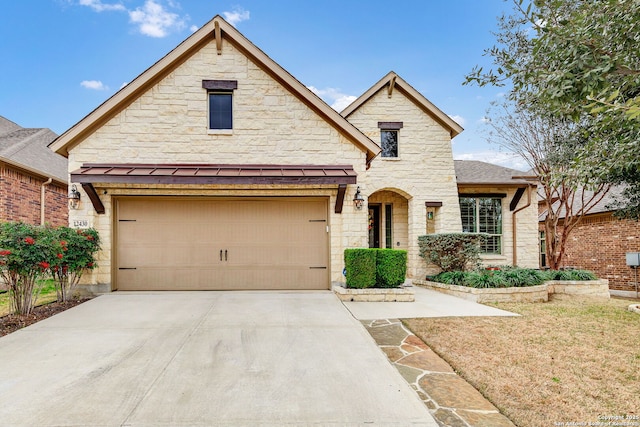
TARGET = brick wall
(600,243)
(20,198)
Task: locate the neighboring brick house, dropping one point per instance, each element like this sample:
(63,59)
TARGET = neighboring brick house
(33,179)
(217,169)
(599,243)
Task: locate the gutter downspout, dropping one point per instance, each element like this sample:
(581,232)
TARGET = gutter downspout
(513,227)
(42,199)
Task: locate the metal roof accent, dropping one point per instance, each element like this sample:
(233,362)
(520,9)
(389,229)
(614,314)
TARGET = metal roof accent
(130,173)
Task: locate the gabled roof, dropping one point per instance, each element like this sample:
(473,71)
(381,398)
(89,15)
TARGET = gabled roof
(217,29)
(27,149)
(7,126)
(473,172)
(392,82)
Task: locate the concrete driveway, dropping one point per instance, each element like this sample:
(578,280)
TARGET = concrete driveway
(202,359)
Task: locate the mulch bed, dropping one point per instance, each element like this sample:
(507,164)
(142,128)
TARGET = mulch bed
(13,322)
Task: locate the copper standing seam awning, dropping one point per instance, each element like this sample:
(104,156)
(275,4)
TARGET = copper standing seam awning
(129,173)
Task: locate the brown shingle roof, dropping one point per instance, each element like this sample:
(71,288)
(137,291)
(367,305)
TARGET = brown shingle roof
(476,172)
(28,149)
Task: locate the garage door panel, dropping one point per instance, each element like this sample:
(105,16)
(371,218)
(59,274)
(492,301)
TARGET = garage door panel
(176,243)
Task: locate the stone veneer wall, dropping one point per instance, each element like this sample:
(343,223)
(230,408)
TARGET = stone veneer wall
(169,124)
(20,198)
(423,171)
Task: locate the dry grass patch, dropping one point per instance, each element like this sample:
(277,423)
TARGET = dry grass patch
(562,361)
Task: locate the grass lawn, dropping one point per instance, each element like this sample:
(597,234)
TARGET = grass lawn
(560,362)
(47,295)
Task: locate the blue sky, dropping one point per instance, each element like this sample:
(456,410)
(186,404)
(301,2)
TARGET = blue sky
(62,58)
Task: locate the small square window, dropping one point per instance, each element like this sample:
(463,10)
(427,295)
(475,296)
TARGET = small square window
(220,110)
(389,139)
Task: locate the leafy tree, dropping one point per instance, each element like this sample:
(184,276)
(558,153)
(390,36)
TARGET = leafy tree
(578,59)
(547,143)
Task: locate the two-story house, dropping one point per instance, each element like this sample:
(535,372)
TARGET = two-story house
(217,169)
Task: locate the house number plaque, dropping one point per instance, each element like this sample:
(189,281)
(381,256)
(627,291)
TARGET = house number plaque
(80,223)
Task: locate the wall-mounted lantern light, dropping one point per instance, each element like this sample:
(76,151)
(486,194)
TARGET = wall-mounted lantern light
(74,197)
(358,200)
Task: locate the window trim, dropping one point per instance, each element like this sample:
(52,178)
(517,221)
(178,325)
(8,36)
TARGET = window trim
(390,125)
(397,156)
(219,87)
(211,93)
(223,85)
(476,219)
(388,225)
(543,248)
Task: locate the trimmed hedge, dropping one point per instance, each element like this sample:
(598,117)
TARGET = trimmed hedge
(375,268)
(361,267)
(391,267)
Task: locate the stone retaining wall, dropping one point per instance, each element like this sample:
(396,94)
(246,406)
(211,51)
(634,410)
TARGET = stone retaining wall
(554,289)
(375,294)
(527,294)
(567,289)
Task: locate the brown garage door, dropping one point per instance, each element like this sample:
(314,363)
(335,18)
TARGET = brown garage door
(214,244)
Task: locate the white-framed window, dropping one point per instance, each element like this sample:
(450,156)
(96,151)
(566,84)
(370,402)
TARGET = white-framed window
(482,214)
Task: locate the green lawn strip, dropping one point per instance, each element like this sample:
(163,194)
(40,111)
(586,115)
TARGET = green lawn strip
(47,295)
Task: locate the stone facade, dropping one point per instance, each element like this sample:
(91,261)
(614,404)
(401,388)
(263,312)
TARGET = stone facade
(20,198)
(271,125)
(167,123)
(423,170)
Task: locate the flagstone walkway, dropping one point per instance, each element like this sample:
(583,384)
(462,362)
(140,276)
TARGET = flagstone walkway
(452,401)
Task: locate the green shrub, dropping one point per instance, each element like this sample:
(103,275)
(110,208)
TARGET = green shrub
(451,278)
(452,251)
(504,278)
(29,252)
(519,277)
(391,267)
(484,279)
(361,267)
(25,254)
(370,267)
(570,275)
(75,250)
